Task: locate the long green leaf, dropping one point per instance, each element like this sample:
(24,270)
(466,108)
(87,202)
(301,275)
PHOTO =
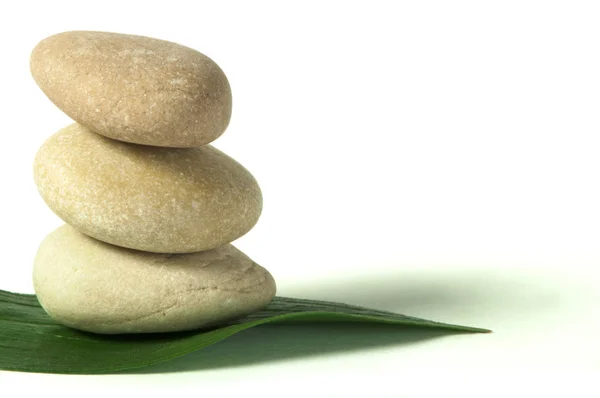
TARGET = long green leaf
(31,341)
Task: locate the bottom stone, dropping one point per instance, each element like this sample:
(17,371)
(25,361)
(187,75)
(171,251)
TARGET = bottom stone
(97,287)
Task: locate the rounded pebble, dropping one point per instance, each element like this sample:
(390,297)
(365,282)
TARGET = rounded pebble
(134,88)
(97,287)
(163,200)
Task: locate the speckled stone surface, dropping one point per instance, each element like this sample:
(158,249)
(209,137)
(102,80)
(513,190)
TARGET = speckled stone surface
(133,88)
(90,285)
(163,200)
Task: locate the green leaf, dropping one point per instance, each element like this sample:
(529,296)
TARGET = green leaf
(31,341)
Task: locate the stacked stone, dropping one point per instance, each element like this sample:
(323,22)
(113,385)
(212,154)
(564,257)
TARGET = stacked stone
(150,207)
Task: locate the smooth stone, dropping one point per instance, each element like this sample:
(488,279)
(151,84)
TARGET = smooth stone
(134,88)
(93,286)
(164,200)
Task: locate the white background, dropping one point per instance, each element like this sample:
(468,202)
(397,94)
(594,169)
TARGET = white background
(435,158)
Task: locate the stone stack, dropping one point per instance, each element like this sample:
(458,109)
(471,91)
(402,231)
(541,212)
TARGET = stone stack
(150,207)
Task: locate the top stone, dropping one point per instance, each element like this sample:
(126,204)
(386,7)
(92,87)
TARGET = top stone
(133,88)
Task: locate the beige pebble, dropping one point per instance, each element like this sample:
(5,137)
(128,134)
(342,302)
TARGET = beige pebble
(93,286)
(134,88)
(164,200)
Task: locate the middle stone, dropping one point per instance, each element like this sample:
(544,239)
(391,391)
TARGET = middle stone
(162,200)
